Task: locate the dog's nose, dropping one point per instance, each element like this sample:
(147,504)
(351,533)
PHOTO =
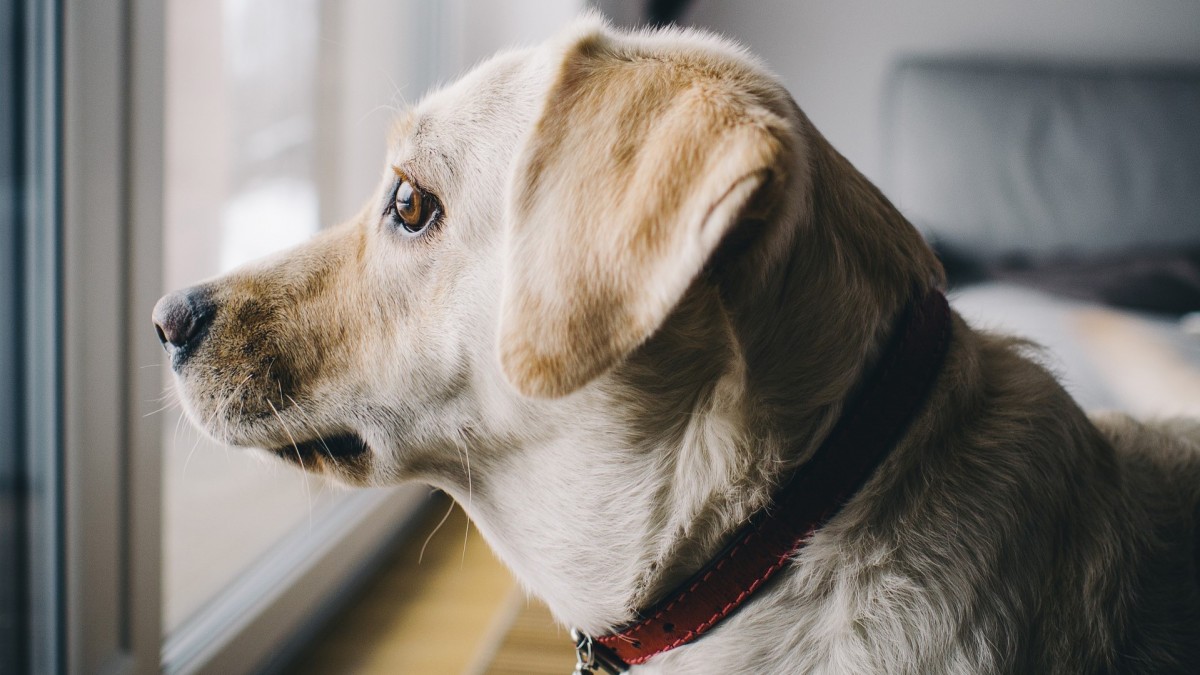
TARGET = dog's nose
(181,317)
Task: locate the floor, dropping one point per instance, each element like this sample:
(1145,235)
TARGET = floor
(442,603)
(533,645)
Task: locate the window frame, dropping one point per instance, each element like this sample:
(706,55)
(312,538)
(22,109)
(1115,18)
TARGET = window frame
(111,93)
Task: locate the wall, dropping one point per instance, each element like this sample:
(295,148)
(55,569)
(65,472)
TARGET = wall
(491,25)
(622,12)
(833,55)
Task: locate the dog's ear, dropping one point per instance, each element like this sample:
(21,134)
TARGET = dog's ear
(635,172)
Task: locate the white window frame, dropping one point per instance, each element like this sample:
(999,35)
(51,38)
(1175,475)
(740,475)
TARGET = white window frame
(110,238)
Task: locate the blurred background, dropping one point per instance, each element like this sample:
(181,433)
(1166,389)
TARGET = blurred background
(1050,150)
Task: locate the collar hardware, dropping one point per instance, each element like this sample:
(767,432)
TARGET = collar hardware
(592,658)
(871,423)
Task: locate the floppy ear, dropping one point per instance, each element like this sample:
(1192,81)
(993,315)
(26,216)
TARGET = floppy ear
(635,171)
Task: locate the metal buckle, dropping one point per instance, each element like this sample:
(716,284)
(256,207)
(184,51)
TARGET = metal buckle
(592,658)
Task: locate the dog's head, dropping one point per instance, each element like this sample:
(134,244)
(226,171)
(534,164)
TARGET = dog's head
(537,224)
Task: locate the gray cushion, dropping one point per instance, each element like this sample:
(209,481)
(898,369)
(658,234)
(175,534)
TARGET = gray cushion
(998,158)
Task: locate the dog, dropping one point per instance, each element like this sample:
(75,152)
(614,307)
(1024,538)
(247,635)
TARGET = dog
(611,293)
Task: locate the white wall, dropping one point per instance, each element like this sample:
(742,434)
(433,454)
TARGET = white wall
(491,25)
(622,12)
(833,54)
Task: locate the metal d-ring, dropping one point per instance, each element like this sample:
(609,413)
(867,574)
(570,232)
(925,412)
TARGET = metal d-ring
(585,656)
(586,661)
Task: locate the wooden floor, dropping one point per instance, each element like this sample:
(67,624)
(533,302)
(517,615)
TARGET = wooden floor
(454,610)
(532,645)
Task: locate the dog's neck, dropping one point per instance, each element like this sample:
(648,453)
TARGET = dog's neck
(600,516)
(599,519)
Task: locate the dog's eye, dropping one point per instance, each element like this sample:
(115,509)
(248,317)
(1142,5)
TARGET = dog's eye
(413,209)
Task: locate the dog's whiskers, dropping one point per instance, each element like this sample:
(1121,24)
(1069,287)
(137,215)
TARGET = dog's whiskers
(168,406)
(178,421)
(242,405)
(465,460)
(221,413)
(421,555)
(175,437)
(311,424)
(171,399)
(236,391)
(382,106)
(299,459)
(195,444)
(207,424)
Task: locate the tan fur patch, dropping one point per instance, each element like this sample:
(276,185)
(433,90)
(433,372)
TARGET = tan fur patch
(636,170)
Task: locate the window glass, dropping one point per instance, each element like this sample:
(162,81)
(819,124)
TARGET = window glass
(269,102)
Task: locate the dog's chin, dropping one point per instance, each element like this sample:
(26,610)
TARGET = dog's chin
(345,456)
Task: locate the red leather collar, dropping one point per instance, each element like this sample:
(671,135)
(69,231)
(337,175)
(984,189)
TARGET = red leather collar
(870,425)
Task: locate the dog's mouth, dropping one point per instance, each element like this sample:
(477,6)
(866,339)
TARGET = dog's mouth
(316,453)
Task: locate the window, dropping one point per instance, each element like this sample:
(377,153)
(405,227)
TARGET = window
(276,114)
(149,145)
(240,182)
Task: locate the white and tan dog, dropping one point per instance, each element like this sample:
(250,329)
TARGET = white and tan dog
(625,278)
